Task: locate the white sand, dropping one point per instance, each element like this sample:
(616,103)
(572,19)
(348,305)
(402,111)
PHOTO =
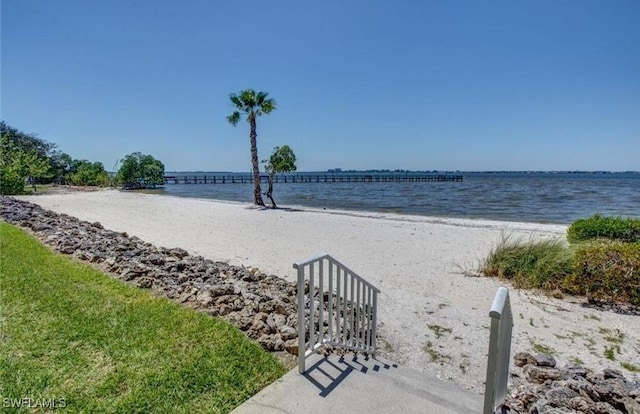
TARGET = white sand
(417,263)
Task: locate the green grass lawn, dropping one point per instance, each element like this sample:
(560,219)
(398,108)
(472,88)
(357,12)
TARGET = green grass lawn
(69,332)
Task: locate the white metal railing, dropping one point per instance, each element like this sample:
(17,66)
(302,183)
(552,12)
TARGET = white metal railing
(335,307)
(499,352)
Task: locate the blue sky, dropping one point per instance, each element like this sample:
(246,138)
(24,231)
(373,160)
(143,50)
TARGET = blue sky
(420,85)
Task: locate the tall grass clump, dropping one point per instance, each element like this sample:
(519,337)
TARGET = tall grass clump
(529,264)
(614,228)
(606,270)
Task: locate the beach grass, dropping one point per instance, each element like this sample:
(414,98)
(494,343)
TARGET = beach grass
(73,337)
(529,264)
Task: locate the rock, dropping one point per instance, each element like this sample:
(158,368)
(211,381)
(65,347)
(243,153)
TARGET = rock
(575,371)
(271,323)
(571,389)
(224,309)
(128,274)
(280,309)
(185,297)
(288,332)
(580,404)
(539,375)
(258,328)
(523,358)
(632,406)
(612,373)
(603,408)
(155,259)
(291,346)
(144,282)
(269,342)
(543,360)
(279,319)
(179,253)
(204,296)
(560,396)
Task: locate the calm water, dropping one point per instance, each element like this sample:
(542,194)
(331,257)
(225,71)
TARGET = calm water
(528,197)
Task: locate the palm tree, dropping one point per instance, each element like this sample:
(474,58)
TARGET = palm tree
(253,104)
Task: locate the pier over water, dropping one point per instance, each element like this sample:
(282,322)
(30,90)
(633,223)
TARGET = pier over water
(312,178)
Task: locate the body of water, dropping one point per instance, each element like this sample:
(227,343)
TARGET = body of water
(527,197)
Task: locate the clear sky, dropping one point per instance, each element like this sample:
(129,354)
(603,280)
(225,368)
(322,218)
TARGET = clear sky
(420,84)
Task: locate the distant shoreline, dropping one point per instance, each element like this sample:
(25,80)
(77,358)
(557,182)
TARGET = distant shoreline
(422,171)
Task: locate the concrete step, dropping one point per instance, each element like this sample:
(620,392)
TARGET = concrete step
(360,385)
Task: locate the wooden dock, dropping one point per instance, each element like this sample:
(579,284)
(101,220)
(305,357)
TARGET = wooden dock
(312,178)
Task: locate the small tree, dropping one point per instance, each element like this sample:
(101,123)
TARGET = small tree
(282,160)
(89,173)
(18,165)
(140,171)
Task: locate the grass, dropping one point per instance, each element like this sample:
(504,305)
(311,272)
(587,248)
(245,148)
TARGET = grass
(609,352)
(439,331)
(542,349)
(630,367)
(577,361)
(616,336)
(435,355)
(532,264)
(70,332)
(599,269)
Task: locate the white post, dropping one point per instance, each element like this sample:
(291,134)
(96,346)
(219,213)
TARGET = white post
(499,350)
(301,321)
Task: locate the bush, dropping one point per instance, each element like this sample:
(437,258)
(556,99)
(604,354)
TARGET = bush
(614,228)
(140,171)
(533,264)
(11,183)
(88,173)
(606,270)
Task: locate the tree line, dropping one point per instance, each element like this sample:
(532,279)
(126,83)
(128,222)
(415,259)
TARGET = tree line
(27,160)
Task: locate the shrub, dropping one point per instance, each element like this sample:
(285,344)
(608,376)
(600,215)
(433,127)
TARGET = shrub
(614,228)
(533,264)
(140,171)
(606,270)
(11,183)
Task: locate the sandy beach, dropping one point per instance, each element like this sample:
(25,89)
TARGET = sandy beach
(428,308)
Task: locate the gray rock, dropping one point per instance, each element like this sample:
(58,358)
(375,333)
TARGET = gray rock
(543,360)
(539,375)
(560,396)
(612,373)
(603,408)
(580,404)
(632,406)
(287,332)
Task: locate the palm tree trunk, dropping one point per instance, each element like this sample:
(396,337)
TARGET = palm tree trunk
(270,191)
(257,195)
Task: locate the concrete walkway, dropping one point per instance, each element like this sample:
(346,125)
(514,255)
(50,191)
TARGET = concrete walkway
(359,385)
